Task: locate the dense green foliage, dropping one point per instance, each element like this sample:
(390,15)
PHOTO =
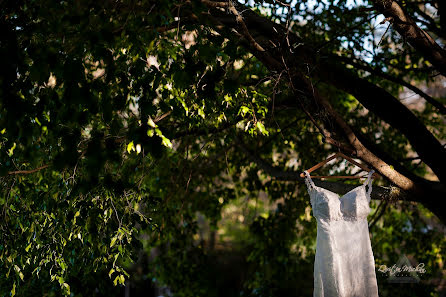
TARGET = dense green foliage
(144,127)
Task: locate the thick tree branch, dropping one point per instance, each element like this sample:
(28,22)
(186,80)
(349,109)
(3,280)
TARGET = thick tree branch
(378,193)
(414,35)
(388,108)
(383,155)
(396,80)
(361,151)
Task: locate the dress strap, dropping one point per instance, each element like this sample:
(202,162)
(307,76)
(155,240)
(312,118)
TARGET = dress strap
(368,182)
(308,181)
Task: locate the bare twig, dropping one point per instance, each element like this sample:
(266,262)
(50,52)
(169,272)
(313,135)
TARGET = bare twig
(116,212)
(157,119)
(379,214)
(28,171)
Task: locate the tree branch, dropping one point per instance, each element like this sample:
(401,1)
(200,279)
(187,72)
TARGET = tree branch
(410,31)
(27,171)
(371,96)
(388,108)
(296,58)
(302,85)
(429,21)
(396,80)
(361,151)
(378,214)
(378,193)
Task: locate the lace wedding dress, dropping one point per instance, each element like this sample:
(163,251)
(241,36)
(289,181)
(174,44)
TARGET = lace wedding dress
(344,265)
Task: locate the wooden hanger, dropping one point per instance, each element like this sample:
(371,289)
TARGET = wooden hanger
(339,154)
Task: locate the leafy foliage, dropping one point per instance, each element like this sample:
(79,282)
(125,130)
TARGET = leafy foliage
(141,123)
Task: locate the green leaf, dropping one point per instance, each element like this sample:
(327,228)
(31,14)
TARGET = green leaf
(16,268)
(11,150)
(150,46)
(166,141)
(37,121)
(244,110)
(130,147)
(113,241)
(13,290)
(63,265)
(151,123)
(261,128)
(67,288)
(201,113)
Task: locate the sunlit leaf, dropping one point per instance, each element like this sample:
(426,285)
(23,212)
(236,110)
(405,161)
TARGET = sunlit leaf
(130,147)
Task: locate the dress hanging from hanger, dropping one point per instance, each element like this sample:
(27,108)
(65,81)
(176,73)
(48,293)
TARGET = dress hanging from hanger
(344,265)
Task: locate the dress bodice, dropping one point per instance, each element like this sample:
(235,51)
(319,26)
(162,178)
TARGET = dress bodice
(328,205)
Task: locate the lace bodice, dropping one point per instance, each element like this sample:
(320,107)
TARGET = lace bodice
(328,205)
(344,265)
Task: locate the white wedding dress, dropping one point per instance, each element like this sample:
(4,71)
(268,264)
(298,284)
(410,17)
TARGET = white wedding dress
(344,265)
